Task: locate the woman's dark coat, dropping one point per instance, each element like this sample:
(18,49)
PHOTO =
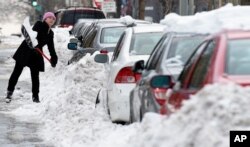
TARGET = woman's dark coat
(30,57)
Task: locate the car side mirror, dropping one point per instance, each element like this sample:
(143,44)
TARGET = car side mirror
(73,40)
(138,66)
(101,58)
(161,81)
(72,46)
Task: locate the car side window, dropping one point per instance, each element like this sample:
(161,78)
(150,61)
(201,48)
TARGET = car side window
(202,66)
(155,55)
(118,47)
(93,36)
(89,41)
(191,62)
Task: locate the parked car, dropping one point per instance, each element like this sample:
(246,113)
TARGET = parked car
(100,34)
(68,17)
(97,36)
(136,43)
(168,57)
(221,58)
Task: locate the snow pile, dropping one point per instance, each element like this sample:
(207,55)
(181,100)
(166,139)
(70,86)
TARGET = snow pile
(127,20)
(61,40)
(67,105)
(205,119)
(71,99)
(227,17)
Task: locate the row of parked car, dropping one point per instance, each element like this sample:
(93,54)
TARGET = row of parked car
(221,57)
(152,70)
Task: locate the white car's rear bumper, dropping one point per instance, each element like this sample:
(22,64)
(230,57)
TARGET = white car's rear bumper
(118,102)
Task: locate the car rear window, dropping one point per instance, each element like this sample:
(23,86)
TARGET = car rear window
(111,35)
(71,17)
(184,47)
(144,43)
(238,57)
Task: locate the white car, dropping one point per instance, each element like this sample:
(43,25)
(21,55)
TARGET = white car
(136,43)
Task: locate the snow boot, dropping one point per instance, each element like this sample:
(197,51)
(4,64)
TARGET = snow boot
(35,99)
(8,97)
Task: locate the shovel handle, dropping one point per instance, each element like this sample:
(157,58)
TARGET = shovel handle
(42,54)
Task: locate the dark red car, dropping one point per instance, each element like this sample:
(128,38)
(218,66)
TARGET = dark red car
(223,57)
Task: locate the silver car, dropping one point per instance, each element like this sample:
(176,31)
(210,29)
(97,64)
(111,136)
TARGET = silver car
(167,58)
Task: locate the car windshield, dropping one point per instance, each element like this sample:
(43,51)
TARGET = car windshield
(144,43)
(111,35)
(71,17)
(238,57)
(183,47)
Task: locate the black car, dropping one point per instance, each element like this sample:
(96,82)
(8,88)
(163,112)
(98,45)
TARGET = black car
(168,58)
(69,16)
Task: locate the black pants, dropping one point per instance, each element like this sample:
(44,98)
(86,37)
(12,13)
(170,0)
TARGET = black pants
(16,74)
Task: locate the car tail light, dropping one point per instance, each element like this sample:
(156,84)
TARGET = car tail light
(126,75)
(160,95)
(103,51)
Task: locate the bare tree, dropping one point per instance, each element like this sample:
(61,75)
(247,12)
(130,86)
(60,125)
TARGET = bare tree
(141,9)
(170,6)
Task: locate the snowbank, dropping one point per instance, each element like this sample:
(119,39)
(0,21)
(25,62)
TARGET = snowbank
(205,119)
(227,17)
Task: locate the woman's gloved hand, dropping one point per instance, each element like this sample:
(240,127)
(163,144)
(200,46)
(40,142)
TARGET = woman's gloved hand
(53,61)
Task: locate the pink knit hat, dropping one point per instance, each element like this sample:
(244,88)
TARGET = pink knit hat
(48,14)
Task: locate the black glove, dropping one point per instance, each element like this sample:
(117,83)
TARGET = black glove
(53,61)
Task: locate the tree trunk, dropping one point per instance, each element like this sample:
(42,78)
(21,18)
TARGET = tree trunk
(141,9)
